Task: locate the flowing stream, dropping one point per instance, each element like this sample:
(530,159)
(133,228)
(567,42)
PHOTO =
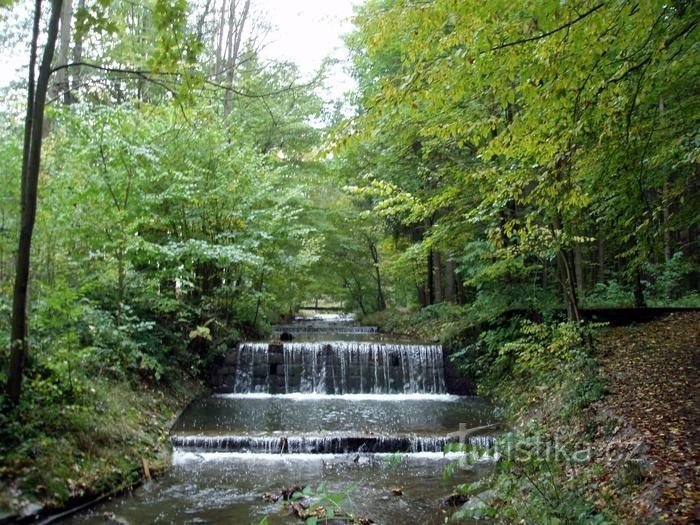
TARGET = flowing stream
(367,418)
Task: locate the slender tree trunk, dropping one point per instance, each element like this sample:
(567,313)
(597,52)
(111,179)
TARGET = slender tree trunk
(450,281)
(568,285)
(668,252)
(422,295)
(31,164)
(72,98)
(218,68)
(359,295)
(578,266)
(430,296)
(601,258)
(202,20)
(381,301)
(60,86)
(461,292)
(437,276)
(121,284)
(233,44)
(261,282)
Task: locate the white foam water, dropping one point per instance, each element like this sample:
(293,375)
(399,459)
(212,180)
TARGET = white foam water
(339,367)
(301,396)
(181,457)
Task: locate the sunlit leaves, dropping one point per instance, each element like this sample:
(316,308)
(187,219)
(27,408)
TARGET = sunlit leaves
(528,124)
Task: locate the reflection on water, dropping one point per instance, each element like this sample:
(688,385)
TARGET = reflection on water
(230,488)
(379,414)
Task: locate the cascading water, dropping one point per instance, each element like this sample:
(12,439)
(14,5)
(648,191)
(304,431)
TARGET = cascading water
(338,367)
(327,324)
(321,444)
(366,414)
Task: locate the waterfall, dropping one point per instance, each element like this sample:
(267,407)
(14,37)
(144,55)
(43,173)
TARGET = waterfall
(319,444)
(299,397)
(339,367)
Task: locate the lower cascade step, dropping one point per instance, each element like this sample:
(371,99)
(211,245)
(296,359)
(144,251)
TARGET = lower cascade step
(336,444)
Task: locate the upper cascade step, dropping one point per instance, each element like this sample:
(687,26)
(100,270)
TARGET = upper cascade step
(336,367)
(323,328)
(324,324)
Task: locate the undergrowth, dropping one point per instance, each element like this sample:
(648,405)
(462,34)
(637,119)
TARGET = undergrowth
(542,375)
(94,443)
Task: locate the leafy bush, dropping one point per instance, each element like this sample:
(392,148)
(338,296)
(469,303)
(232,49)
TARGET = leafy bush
(542,346)
(482,359)
(669,281)
(606,295)
(529,480)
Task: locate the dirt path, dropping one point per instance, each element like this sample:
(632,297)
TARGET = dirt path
(653,417)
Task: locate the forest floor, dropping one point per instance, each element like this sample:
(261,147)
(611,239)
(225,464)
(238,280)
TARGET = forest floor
(649,420)
(72,454)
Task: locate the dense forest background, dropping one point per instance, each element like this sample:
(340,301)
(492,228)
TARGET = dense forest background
(501,156)
(167,191)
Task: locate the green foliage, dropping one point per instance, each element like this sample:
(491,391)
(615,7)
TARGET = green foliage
(669,283)
(470,141)
(90,444)
(545,374)
(322,505)
(529,478)
(482,358)
(609,294)
(541,346)
(670,280)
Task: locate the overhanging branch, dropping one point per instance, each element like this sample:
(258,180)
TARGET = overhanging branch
(147,75)
(549,33)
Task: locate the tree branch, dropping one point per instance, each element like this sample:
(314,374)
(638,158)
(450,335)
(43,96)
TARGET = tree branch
(146,75)
(549,33)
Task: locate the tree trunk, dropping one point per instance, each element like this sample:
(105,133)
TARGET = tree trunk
(261,282)
(422,295)
(668,252)
(381,301)
(430,296)
(72,98)
(450,281)
(578,266)
(233,44)
(461,292)
(60,86)
(218,67)
(31,163)
(121,284)
(359,295)
(566,279)
(601,258)
(437,276)
(202,20)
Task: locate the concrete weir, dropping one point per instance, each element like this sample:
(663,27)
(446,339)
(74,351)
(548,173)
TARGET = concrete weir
(336,367)
(355,392)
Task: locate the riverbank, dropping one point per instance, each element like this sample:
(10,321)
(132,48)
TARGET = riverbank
(106,440)
(604,421)
(608,438)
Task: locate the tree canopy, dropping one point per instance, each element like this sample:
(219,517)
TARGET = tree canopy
(500,156)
